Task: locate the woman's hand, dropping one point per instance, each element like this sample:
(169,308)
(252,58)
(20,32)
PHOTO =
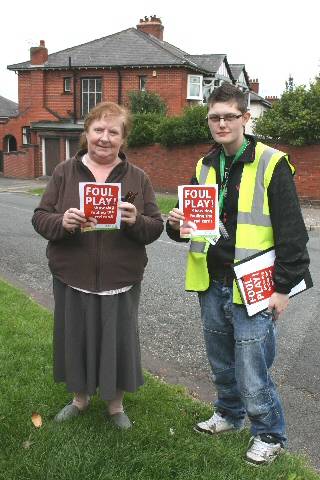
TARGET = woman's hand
(128,213)
(74,218)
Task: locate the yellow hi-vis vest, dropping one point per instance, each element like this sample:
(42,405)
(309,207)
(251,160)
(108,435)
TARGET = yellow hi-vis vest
(254,231)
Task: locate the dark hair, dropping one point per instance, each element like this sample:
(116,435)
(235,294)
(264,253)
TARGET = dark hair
(229,93)
(106,109)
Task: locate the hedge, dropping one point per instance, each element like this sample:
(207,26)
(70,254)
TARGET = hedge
(190,128)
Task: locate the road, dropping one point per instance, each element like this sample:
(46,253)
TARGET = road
(170,330)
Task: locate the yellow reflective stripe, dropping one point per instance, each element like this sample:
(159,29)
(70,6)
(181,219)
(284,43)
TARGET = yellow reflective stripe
(199,246)
(198,168)
(252,237)
(205,174)
(247,185)
(211,177)
(254,218)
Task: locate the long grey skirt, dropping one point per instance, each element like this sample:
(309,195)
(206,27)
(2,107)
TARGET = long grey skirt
(96,341)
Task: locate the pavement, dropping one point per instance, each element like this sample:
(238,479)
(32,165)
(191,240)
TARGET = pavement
(311,212)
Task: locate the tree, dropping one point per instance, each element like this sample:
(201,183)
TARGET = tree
(290,84)
(147,102)
(294,118)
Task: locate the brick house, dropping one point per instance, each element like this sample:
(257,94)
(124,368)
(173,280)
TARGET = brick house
(8,110)
(57,90)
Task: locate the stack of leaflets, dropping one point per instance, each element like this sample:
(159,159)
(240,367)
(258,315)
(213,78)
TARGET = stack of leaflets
(254,277)
(199,204)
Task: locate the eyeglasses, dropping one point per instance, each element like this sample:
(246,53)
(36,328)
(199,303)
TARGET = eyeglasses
(228,117)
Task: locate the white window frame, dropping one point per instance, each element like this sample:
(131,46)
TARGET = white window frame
(26,135)
(96,92)
(43,150)
(143,83)
(67,149)
(66,87)
(200,80)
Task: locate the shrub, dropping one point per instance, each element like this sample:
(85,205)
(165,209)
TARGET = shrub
(172,131)
(147,102)
(190,128)
(144,129)
(294,118)
(195,120)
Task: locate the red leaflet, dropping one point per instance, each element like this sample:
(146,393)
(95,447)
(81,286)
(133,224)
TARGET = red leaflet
(258,285)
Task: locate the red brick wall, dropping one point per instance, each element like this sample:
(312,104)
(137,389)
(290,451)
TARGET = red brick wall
(157,81)
(167,167)
(14,127)
(24,89)
(21,164)
(306,160)
(39,89)
(170,167)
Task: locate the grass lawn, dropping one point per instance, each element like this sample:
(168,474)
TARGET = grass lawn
(162,445)
(37,191)
(166,202)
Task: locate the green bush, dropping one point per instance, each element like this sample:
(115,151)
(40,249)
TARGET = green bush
(147,102)
(190,128)
(172,131)
(195,120)
(144,129)
(294,118)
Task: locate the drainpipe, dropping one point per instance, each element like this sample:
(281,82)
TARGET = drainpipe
(74,91)
(119,87)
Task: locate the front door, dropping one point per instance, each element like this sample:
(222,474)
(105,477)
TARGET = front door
(52,154)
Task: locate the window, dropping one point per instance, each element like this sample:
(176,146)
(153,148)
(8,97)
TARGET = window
(195,87)
(142,83)
(67,85)
(26,135)
(10,143)
(91,93)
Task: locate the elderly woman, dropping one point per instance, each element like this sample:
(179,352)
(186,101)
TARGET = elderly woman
(97,274)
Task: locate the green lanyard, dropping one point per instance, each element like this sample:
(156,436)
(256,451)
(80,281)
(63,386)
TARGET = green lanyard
(224,181)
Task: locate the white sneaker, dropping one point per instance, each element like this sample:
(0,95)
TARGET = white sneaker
(215,424)
(262,453)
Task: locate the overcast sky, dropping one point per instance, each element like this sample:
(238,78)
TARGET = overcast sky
(272,38)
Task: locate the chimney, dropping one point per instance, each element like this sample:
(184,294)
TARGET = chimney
(151,26)
(39,55)
(254,85)
(272,99)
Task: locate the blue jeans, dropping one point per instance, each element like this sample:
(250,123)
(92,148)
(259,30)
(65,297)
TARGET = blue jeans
(241,349)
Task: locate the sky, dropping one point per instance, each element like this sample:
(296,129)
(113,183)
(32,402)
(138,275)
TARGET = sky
(274,38)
